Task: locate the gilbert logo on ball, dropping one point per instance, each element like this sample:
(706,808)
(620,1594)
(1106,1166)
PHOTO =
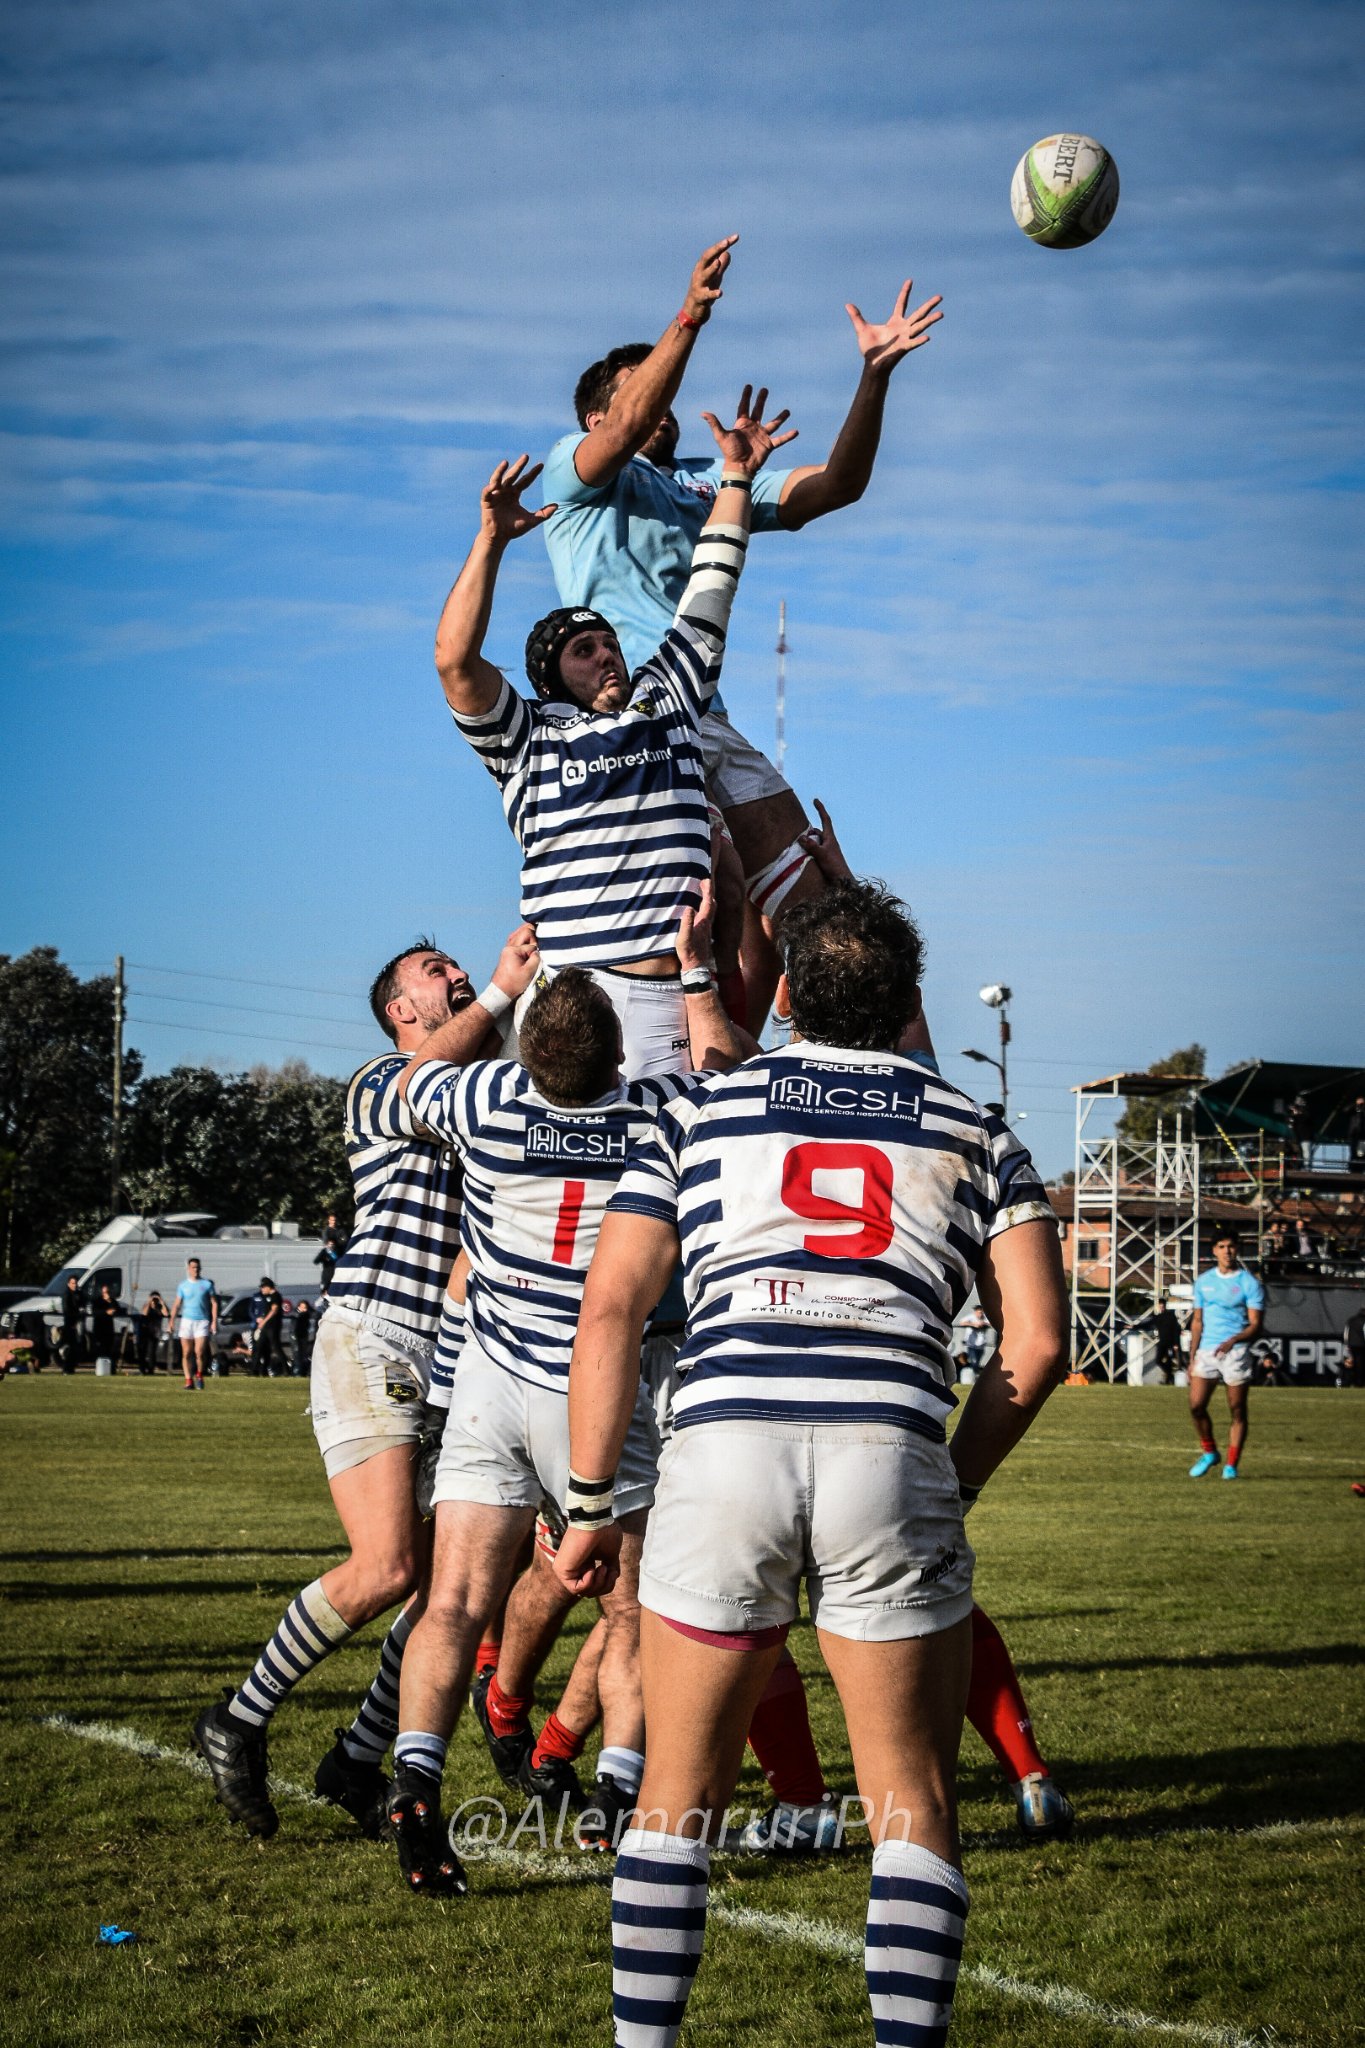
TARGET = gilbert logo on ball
(1064,191)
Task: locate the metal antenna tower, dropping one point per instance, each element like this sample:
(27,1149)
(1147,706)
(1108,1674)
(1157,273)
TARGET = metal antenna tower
(782,651)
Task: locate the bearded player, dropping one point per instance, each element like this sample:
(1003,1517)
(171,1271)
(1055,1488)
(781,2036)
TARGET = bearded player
(370,1376)
(834,1204)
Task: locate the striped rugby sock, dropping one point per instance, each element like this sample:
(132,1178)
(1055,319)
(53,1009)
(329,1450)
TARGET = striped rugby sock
(915,1919)
(310,1630)
(658,1922)
(416,1750)
(375,1726)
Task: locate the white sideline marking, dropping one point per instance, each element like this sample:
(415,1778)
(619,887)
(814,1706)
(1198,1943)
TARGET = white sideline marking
(820,1935)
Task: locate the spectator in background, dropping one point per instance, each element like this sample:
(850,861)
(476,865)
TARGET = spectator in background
(1301,1127)
(303,1333)
(334,1240)
(72,1321)
(103,1311)
(1355,1133)
(980,1338)
(1353,1337)
(154,1314)
(1167,1330)
(267,1316)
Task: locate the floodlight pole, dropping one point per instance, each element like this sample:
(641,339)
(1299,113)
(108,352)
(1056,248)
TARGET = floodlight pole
(116,1121)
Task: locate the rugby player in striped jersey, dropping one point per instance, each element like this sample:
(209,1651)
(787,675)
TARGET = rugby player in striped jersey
(601,775)
(542,1145)
(370,1373)
(833,1203)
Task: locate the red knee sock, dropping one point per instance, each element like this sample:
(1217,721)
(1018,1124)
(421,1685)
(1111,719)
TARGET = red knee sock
(1234,1454)
(506,1714)
(780,1738)
(557,1740)
(996,1706)
(488,1653)
(1206,1437)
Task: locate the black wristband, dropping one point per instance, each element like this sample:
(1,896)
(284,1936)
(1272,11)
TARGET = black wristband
(736,483)
(587,1502)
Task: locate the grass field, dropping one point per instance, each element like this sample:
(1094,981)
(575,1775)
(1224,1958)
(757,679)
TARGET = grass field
(1192,1655)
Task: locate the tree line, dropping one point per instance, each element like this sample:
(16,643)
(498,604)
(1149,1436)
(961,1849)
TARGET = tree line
(249,1147)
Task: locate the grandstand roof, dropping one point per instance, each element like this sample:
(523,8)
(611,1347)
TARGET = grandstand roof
(1257,1095)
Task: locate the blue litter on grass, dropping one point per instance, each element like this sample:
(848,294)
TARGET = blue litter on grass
(114,1937)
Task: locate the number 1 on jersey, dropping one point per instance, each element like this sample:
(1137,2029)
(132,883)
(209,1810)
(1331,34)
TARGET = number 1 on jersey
(566,1223)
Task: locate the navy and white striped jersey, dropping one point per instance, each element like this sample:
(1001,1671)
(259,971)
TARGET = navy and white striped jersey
(610,809)
(537,1181)
(407,1206)
(832,1206)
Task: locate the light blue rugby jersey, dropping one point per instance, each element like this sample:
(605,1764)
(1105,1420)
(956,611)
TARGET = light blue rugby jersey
(1224,1299)
(625,548)
(537,1180)
(407,1206)
(610,810)
(832,1206)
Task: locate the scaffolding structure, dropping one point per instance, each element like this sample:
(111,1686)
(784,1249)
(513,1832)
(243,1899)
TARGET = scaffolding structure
(1146,1193)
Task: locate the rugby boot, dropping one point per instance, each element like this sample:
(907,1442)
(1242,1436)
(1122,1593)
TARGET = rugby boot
(239,1766)
(1205,1462)
(429,1865)
(1045,1813)
(360,1789)
(555,1782)
(790,1830)
(509,1752)
(607,1814)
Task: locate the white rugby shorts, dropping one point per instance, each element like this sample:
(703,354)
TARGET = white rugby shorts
(506,1442)
(868,1516)
(652,1015)
(369,1380)
(194,1326)
(736,772)
(1233,1368)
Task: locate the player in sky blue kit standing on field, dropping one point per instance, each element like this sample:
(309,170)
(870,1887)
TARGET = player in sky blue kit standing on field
(833,1204)
(195,1308)
(1229,1308)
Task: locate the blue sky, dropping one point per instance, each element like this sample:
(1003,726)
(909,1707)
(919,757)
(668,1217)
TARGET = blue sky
(1080,676)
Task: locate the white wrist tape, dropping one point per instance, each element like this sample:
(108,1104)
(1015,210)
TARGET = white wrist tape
(587,1502)
(495,1001)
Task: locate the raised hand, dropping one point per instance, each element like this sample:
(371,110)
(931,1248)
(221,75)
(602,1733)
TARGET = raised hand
(883,345)
(703,287)
(751,440)
(518,962)
(822,844)
(503,515)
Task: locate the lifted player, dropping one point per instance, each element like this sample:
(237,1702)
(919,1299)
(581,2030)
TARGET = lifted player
(627,509)
(834,1204)
(1229,1308)
(601,779)
(543,1146)
(371,1367)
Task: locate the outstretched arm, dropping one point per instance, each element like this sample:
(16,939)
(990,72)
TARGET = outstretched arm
(471,684)
(716,1042)
(718,558)
(842,479)
(620,432)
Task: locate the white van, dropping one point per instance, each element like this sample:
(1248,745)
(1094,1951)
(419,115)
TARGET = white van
(136,1253)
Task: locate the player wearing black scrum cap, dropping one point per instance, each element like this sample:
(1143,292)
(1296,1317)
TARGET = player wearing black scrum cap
(601,775)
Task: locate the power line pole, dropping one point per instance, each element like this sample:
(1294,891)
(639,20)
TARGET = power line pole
(782,651)
(116,1136)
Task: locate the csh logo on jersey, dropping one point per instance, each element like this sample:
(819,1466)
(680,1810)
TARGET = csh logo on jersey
(545,1140)
(851,1092)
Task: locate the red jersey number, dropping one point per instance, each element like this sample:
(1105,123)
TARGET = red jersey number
(872,1211)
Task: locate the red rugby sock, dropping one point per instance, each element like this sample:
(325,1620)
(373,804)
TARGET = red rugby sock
(996,1706)
(488,1653)
(557,1740)
(506,1714)
(780,1738)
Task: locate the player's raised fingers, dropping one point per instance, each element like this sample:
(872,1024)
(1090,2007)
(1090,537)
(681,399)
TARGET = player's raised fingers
(760,403)
(781,440)
(902,300)
(530,476)
(745,395)
(928,311)
(771,426)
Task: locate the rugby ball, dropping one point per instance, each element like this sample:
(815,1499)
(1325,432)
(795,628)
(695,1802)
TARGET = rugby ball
(1064,191)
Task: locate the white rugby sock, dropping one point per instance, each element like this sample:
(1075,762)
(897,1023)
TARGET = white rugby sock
(658,1923)
(376,1725)
(310,1629)
(915,1919)
(421,1752)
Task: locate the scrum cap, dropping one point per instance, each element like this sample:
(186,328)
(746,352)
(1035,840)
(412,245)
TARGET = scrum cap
(546,640)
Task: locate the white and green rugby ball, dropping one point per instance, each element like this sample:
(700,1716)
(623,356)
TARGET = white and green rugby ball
(1064,191)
